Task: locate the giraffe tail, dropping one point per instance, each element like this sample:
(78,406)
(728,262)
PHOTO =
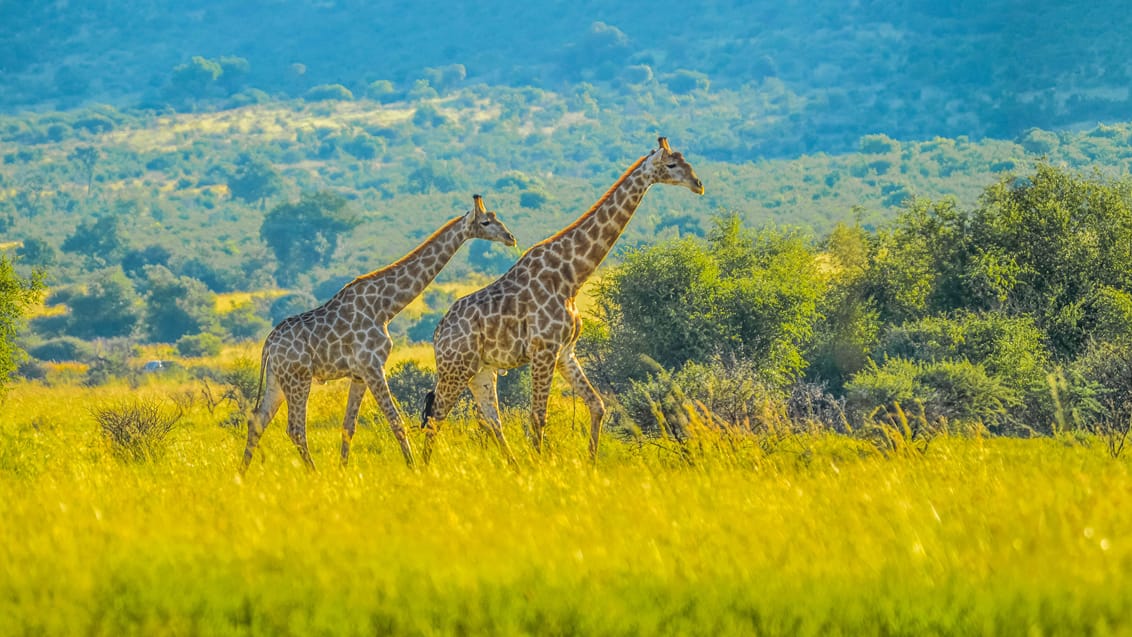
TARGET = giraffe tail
(426,413)
(262,375)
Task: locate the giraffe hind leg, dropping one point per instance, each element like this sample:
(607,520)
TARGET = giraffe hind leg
(542,372)
(297,390)
(268,406)
(452,378)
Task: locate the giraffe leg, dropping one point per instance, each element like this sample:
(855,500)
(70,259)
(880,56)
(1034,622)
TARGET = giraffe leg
(379,387)
(353,402)
(542,372)
(452,377)
(487,398)
(297,392)
(268,405)
(569,367)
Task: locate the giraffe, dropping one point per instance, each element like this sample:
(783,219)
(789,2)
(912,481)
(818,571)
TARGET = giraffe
(528,315)
(348,337)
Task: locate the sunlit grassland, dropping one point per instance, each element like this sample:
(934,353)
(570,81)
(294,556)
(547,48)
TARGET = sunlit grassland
(773,534)
(228,301)
(267,122)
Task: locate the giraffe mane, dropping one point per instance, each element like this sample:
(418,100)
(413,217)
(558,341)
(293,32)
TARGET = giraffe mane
(599,202)
(421,246)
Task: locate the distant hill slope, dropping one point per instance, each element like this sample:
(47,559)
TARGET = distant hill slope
(176,189)
(912,70)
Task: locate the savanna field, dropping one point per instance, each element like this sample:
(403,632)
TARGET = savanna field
(874,377)
(731,533)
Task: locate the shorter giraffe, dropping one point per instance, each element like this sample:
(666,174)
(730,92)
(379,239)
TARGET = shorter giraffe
(528,315)
(348,337)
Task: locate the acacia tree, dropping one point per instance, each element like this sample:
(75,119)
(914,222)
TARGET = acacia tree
(305,234)
(86,157)
(16,294)
(108,308)
(176,306)
(99,240)
(254,181)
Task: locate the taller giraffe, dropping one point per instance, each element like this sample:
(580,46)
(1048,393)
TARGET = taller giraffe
(529,314)
(348,337)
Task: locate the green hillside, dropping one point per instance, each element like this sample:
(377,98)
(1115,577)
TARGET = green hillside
(912,69)
(181,182)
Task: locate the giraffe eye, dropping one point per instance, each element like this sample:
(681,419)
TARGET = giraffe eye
(486,222)
(672,165)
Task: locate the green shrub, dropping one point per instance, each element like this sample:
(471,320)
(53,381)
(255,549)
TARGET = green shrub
(94,123)
(1113,309)
(1010,348)
(408,383)
(878,144)
(64,348)
(894,382)
(328,92)
(381,90)
(517,180)
(237,385)
(962,391)
(364,146)
(1107,365)
(244,323)
(947,390)
(1038,141)
(193,345)
(734,393)
(514,388)
(533,199)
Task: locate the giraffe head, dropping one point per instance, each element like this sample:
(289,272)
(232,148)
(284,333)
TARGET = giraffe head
(483,224)
(663,166)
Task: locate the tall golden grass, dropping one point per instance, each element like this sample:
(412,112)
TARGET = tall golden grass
(731,533)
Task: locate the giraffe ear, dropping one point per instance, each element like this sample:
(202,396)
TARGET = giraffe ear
(663,142)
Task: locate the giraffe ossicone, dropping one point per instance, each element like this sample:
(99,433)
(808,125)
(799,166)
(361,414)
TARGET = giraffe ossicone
(528,315)
(347,337)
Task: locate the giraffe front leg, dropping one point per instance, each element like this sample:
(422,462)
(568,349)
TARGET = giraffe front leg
(542,372)
(349,424)
(379,387)
(483,386)
(568,365)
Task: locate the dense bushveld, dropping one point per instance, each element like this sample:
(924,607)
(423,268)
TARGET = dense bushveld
(772,531)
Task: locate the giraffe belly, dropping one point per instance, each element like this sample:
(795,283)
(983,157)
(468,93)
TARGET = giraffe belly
(505,344)
(506,360)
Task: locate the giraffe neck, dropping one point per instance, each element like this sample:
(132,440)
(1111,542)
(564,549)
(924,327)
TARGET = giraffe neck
(404,280)
(584,244)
